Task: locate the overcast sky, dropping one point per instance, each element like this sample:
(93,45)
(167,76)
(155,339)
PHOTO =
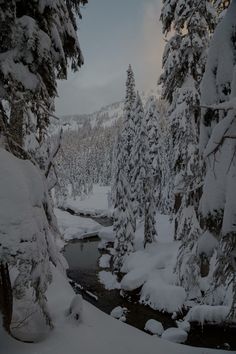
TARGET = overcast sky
(113,34)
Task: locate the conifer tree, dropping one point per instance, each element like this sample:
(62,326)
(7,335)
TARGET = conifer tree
(218,126)
(128,130)
(138,156)
(38,39)
(124,222)
(184,64)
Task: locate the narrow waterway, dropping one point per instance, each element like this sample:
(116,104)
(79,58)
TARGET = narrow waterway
(83,259)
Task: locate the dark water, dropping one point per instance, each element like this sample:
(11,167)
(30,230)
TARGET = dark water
(83,257)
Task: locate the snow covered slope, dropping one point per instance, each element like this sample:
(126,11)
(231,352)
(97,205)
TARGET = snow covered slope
(97,334)
(107,116)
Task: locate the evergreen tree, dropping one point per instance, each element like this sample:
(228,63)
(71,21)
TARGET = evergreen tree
(128,130)
(149,210)
(37,41)
(124,221)
(218,126)
(138,157)
(184,64)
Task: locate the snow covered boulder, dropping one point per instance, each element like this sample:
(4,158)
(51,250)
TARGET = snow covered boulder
(134,279)
(76,308)
(161,296)
(104,261)
(109,280)
(184,325)
(119,313)
(207,314)
(175,335)
(154,327)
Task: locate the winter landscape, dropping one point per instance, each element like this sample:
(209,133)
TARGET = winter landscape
(117,183)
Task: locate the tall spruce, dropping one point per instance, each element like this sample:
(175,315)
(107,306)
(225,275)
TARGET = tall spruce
(184,64)
(138,156)
(38,40)
(218,146)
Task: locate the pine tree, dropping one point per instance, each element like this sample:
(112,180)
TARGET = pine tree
(218,126)
(150,232)
(184,64)
(124,221)
(138,157)
(37,41)
(128,130)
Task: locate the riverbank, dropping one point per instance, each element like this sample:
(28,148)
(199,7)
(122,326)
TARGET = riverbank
(98,333)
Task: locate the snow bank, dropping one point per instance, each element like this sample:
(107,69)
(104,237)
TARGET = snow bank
(161,296)
(98,333)
(75,227)
(96,203)
(175,335)
(208,314)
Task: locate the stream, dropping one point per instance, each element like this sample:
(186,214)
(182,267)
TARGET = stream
(83,259)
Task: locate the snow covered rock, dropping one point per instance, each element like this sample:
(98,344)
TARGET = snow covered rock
(184,325)
(134,279)
(161,296)
(76,308)
(175,335)
(208,314)
(119,313)
(104,261)
(109,280)
(154,327)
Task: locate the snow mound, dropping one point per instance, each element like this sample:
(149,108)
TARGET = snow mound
(208,314)
(154,327)
(76,308)
(175,335)
(134,279)
(119,313)
(109,280)
(184,325)
(104,261)
(161,296)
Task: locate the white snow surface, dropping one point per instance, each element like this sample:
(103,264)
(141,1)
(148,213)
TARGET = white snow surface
(154,327)
(175,335)
(152,268)
(76,227)
(95,203)
(119,313)
(109,280)
(207,314)
(104,261)
(98,333)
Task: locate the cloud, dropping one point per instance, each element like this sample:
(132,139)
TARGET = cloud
(102,79)
(151,50)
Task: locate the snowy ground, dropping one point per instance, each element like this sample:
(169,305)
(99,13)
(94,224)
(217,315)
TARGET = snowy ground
(97,202)
(97,334)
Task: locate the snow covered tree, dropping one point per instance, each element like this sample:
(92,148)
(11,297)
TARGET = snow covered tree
(124,221)
(128,130)
(138,157)
(184,64)
(150,232)
(218,146)
(37,41)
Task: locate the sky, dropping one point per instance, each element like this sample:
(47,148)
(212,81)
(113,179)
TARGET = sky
(112,35)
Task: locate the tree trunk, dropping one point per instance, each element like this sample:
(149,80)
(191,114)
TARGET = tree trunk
(5,296)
